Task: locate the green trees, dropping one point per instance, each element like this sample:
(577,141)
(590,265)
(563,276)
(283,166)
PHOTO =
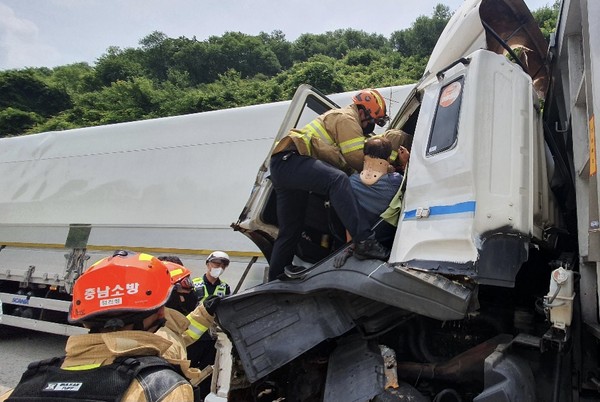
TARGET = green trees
(27,100)
(546,17)
(119,65)
(246,54)
(172,76)
(15,121)
(419,40)
(24,91)
(279,46)
(336,44)
(319,72)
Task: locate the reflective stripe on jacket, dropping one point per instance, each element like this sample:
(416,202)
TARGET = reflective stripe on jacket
(397,138)
(196,329)
(199,319)
(335,137)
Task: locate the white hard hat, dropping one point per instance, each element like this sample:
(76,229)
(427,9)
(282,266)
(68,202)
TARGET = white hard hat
(218,255)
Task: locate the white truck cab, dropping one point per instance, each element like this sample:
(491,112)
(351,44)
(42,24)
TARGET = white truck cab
(478,300)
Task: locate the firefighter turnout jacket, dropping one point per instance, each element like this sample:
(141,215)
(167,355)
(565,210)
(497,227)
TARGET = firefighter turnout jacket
(335,137)
(397,138)
(87,352)
(175,331)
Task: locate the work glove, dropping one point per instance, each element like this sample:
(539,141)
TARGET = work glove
(340,259)
(211,303)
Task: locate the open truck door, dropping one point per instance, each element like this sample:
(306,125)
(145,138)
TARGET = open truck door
(258,219)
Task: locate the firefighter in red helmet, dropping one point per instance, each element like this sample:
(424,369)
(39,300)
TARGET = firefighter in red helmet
(121,300)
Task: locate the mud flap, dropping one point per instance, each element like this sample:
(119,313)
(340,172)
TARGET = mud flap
(272,330)
(355,371)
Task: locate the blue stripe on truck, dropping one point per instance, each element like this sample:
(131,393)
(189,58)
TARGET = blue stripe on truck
(437,210)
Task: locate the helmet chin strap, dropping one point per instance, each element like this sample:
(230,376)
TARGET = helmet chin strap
(114,324)
(367,131)
(119,323)
(138,325)
(158,323)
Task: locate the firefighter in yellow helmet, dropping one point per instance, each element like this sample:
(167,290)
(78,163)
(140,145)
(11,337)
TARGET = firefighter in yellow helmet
(318,158)
(120,299)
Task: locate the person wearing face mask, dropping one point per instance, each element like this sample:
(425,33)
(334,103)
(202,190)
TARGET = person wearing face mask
(183,298)
(318,158)
(211,284)
(208,289)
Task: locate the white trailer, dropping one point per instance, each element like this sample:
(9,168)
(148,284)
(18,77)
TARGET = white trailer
(165,186)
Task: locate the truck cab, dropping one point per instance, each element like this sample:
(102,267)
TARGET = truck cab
(479,298)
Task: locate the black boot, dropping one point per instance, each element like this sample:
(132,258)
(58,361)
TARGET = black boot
(371,249)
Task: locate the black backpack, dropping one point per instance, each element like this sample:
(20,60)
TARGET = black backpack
(45,381)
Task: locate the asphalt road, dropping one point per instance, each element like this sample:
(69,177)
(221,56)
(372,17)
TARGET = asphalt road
(20,347)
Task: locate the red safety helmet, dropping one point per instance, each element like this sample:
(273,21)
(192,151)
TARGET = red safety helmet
(124,285)
(374,105)
(180,275)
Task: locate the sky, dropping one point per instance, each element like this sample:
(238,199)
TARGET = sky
(50,33)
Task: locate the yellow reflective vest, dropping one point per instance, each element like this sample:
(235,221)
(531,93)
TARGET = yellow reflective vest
(199,319)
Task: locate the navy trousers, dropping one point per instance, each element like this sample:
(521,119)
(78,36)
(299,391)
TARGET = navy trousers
(293,177)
